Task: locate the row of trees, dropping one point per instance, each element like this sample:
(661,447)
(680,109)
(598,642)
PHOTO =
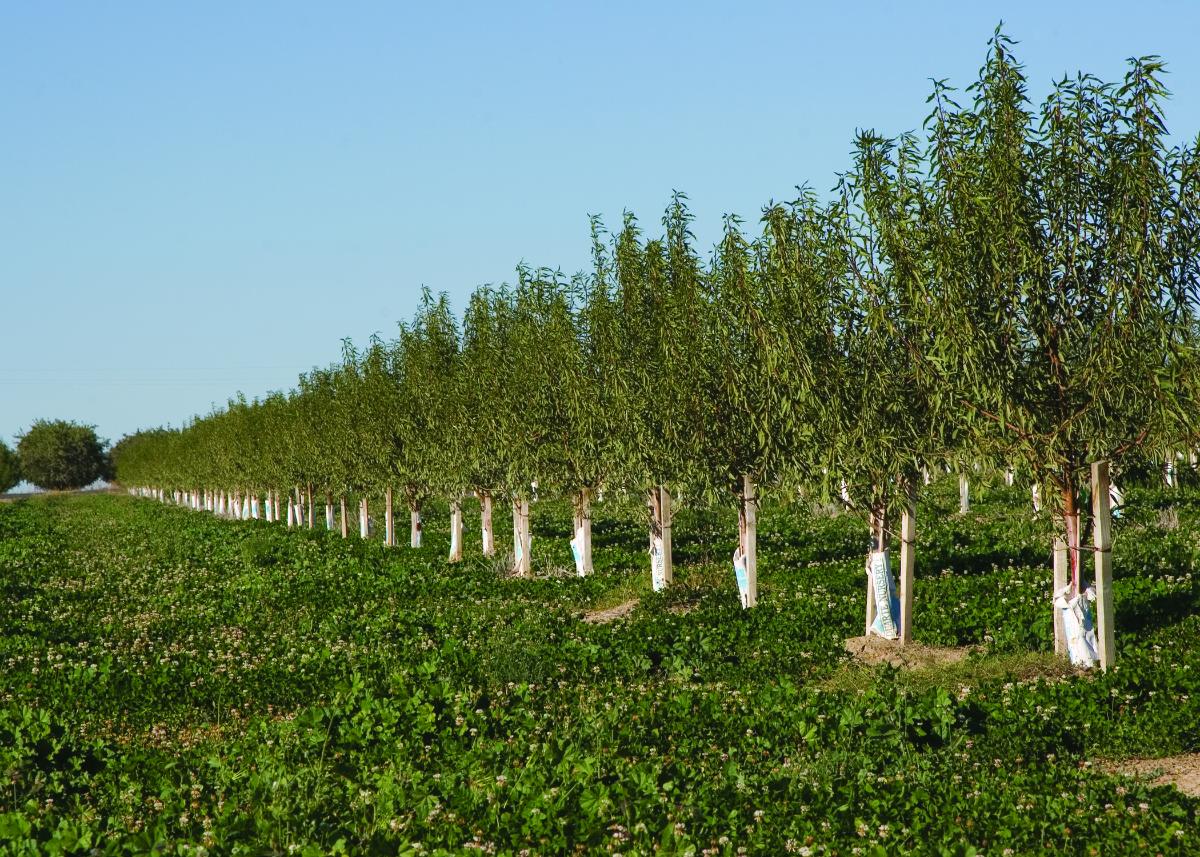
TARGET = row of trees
(1017,291)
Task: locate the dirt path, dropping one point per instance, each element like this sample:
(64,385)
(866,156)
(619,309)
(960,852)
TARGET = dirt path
(1181,771)
(611,614)
(876,650)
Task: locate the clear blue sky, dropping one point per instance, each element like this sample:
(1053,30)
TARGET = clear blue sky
(202,198)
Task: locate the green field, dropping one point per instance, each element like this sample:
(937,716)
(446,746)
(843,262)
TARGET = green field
(177,683)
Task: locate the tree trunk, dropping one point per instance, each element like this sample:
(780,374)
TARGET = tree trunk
(522,540)
(456,530)
(747,551)
(1062,576)
(345,523)
(581,540)
(363,519)
(329,511)
(414,522)
(389,519)
(489,534)
(1066,560)
(880,543)
(661,570)
(311,510)
(964,494)
(291,512)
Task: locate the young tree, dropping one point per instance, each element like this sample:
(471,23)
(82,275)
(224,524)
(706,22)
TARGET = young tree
(891,427)
(660,295)
(424,407)
(1062,317)
(481,391)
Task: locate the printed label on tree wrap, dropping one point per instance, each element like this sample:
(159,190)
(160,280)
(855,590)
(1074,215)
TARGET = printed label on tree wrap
(887,605)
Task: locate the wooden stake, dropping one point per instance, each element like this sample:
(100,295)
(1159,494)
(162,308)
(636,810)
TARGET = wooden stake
(908,565)
(1062,576)
(873,519)
(389,520)
(660,525)
(489,534)
(1102,541)
(667,516)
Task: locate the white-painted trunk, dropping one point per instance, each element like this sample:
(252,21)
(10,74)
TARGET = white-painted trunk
(414,522)
(389,519)
(745,558)
(456,530)
(522,540)
(489,534)
(363,522)
(581,541)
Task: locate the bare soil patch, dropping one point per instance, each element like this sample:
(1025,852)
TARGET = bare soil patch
(1181,771)
(876,650)
(610,614)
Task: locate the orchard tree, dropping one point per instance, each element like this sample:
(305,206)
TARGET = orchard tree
(57,455)
(770,335)
(538,353)
(890,423)
(480,388)
(1064,306)
(661,306)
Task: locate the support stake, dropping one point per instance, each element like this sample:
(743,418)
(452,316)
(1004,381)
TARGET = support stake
(1102,541)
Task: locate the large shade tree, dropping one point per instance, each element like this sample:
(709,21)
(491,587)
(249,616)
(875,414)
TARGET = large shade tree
(58,455)
(10,468)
